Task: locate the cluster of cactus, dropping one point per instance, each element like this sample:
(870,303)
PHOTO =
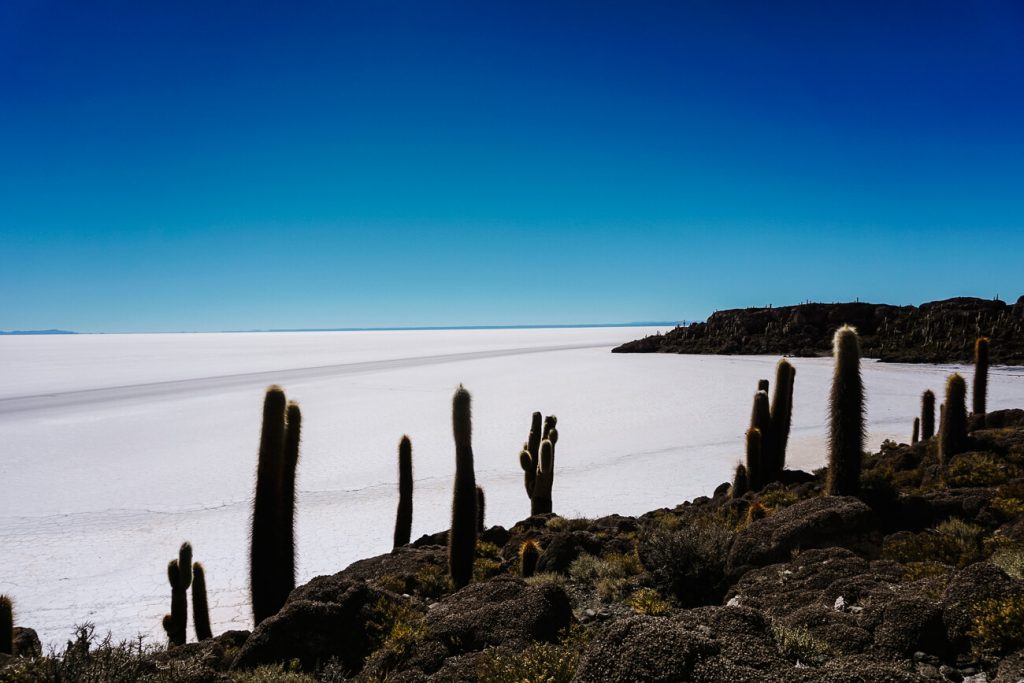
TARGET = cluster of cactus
(768,435)
(537,459)
(846,416)
(272,549)
(403,521)
(463,532)
(6,626)
(183,574)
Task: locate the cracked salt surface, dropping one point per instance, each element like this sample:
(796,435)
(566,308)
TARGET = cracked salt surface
(115,448)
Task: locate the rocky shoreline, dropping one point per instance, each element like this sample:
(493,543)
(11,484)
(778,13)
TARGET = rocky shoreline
(934,332)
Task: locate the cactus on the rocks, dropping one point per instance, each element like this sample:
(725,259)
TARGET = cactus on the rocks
(6,626)
(739,482)
(462,536)
(753,466)
(782,414)
(953,430)
(403,521)
(846,416)
(979,390)
(927,415)
(916,431)
(529,554)
(480,509)
(200,607)
(539,476)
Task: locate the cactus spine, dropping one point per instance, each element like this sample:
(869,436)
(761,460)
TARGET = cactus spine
(272,549)
(782,413)
(200,607)
(403,522)
(979,389)
(927,415)
(6,626)
(846,416)
(529,555)
(916,431)
(179,575)
(953,430)
(754,459)
(480,508)
(462,537)
(739,482)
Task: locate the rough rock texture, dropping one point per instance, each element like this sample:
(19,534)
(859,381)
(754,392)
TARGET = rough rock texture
(566,547)
(968,587)
(26,642)
(813,523)
(935,332)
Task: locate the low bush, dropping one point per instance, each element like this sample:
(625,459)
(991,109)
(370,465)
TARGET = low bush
(999,625)
(689,562)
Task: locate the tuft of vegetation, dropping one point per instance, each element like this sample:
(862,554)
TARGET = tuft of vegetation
(1009,500)
(431,582)
(689,563)
(979,469)
(558,524)
(846,416)
(954,543)
(536,663)
(998,625)
(649,601)
(796,644)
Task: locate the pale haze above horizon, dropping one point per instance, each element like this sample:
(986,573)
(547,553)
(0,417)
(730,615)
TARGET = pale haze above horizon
(255,166)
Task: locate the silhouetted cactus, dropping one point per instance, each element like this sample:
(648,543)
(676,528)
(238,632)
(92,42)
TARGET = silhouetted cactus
(272,558)
(979,389)
(761,420)
(200,607)
(739,482)
(176,622)
(541,501)
(762,385)
(529,457)
(403,522)
(916,431)
(953,430)
(846,416)
(185,564)
(6,626)
(782,414)
(529,554)
(480,509)
(927,415)
(462,536)
(754,459)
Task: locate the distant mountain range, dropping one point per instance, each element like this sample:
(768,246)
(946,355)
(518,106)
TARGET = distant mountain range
(935,332)
(24,332)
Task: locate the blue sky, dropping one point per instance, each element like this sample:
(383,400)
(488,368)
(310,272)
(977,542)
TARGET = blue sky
(241,165)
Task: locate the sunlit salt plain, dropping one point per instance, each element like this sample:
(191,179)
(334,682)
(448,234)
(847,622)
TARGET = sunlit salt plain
(116,448)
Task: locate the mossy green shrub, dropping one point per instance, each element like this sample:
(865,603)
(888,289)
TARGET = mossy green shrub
(538,662)
(487,562)
(689,563)
(915,571)
(568,524)
(955,543)
(1010,559)
(998,625)
(979,469)
(797,644)
(395,629)
(271,673)
(432,581)
(777,497)
(649,601)
(1009,500)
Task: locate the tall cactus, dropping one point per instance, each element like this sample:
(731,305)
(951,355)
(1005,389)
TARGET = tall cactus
(916,431)
(6,626)
(739,482)
(175,622)
(481,506)
(761,420)
(403,522)
(979,389)
(754,479)
(927,415)
(272,554)
(200,607)
(532,462)
(529,555)
(782,413)
(529,457)
(541,501)
(953,430)
(846,416)
(462,536)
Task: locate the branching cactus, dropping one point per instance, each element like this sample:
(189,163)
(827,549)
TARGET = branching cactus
(739,482)
(846,416)
(953,430)
(927,415)
(529,555)
(462,536)
(175,622)
(532,462)
(403,522)
(200,607)
(6,626)
(979,389)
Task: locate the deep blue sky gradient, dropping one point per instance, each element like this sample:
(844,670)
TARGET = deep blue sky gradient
(239,165)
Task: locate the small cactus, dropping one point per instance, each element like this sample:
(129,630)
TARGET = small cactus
(782,413)
(761,420)
(403,522)
(6,626)
(739,482)
(927,415)
(979,389)
(953,430)
(480,509)
(462,536)
(200,607)
(916,431)
(846,416)
(529,555)
(753,467)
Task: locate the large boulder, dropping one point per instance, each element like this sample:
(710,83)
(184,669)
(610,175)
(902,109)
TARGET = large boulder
(643,649)
(814,523)
(968,587)
(26,642)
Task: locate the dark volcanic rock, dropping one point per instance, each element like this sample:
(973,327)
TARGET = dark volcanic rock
(967,588)
(642,649)
(26,642)
(936,332)
(814,523)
